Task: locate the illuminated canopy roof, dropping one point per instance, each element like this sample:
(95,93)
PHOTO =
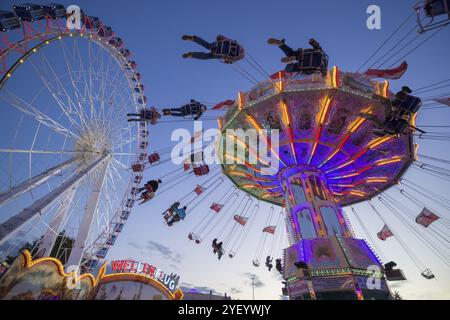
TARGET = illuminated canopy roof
(321,129)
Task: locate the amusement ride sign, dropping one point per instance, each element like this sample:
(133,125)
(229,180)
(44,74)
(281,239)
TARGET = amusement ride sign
(170,281)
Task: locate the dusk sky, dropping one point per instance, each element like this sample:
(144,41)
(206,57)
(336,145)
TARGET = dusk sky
(152,30)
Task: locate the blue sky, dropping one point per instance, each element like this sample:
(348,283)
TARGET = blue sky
(152,30)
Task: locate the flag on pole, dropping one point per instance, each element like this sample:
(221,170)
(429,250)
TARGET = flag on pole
(385,233)
(395,73)
(426,217)
(216,207)
(240,219)
(270,229)
(220,105)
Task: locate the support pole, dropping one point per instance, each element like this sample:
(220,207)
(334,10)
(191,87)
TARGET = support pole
(89,213)
(48,240)
(33,182)
(12,225)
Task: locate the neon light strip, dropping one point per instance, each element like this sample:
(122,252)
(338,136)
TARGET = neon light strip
(255,125)
(287,123)
(250,150)
(240,100)
(373,144)
(388,161)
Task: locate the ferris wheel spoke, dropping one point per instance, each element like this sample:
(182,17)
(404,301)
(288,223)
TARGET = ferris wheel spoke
(34,182)
(12,225)
(40,117)
(62,152)
(60,88)
(76,89)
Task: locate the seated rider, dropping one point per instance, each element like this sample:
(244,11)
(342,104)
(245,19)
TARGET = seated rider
(180,214)
(227,50)
(169,213)
(294,57)
(150,186)
(396,119)
(217,248)
(278,266)
(151,115)
(269,264)
(146,196)
(194,108)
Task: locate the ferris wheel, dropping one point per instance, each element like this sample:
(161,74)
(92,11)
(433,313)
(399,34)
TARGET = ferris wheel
(66,148)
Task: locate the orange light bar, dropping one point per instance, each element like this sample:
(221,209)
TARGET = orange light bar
(388,161)
(316,142)
(287,122)
(255,124)
(345,176)
(280,82)
(335,77)
(324,110)
(220,123)
(385,89)
(343,185)
(357,193)
(376,142)
(284,113)
(376,180)
(240,100)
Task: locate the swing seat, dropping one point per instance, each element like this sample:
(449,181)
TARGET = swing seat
(231,255)
(201,170)
(168,216)
(410,105)
(154,157)
(427,274)
(437,7)
(310,61)
(137,167)
(148,196)
(395,126)
(256,262)
(395,275)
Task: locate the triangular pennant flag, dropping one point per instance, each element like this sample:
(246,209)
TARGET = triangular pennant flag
(445,101)
(395,73)
(220,105)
